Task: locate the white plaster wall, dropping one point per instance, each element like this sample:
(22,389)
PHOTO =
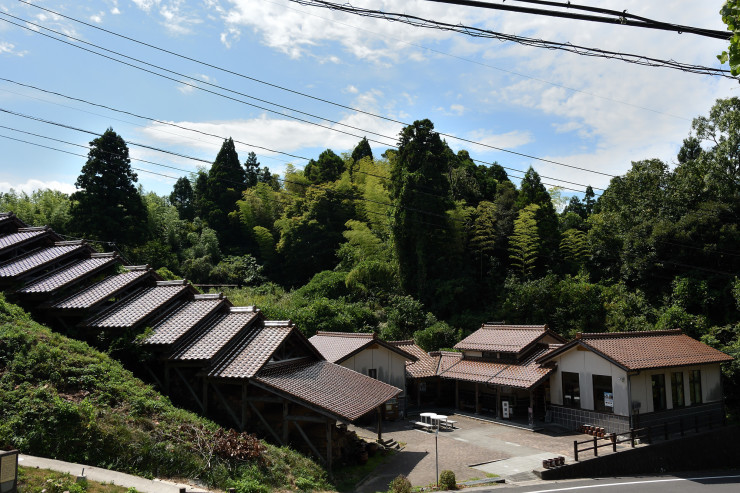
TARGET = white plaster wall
(391,366)
(710,385)
(587,364)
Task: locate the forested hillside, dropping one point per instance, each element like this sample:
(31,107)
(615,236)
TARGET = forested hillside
(423,242)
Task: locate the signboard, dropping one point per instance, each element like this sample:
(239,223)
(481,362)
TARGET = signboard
(608,399)
(505,411)
(9,472)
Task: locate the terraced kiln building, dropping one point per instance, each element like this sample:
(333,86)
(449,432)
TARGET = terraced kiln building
(227,362)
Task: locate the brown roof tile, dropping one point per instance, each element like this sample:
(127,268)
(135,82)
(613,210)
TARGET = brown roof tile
(446,359)
(334,389)
(134,309)
(425,366)
(216,336)
(523,375)
(69,274)
(22,236)
(183,319)
(656,349)
(101,291)
(40,258)
(335,346)
(252,352)
(504,338)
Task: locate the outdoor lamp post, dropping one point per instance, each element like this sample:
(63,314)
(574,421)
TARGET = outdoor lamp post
(436,453)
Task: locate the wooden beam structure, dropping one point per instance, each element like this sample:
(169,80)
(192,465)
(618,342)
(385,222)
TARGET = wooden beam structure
(329,428)
(265,423)
(310,443)
(194,395)
(226,405)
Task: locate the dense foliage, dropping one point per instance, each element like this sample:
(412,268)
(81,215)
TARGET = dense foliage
(424,243)
(59,398)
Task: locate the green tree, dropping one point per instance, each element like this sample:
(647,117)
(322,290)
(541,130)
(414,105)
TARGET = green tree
(329,167)
(107,205)
(42,208)
(362,150)
(183,198)
(525,242)
(731,17)
(252,169)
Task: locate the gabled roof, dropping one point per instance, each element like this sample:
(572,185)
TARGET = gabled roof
(506,338)
(25,236)
(253,351)
(524,374)
(340,346)
(10,222)
(329,387)
(134,309)
(69,274)
(424,366)
(634,351)
(41,258)
(219,333)
(105,289)
(184,318)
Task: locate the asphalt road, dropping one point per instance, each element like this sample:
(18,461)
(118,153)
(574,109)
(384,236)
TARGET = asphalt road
(718,482)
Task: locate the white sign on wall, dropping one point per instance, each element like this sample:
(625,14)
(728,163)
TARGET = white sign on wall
(608,399)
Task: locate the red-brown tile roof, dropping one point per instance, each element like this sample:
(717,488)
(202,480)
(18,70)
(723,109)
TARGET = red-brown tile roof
(338,346)
(69,274)
(425,366)
(335,346)
(522,375)
(252,352)
(102,290)
(183,319)
(646,350)
(136,308)
(336,390)
(216,336)
(446,360)
(504,338)
(40,258)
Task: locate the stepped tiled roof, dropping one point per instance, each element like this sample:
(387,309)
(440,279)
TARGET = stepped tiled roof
(21,237)
(339,346)
(253,351)
(69,274)
(218,334)
(134,309)
(505,338)
(103,290)
(184,318)
(336,390)
(645,350)
(38,259)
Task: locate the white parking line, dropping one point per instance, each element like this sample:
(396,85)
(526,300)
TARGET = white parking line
(460,439)
(573,488)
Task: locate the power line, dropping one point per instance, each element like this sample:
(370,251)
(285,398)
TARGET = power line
(195,86)
(612,16)
(252,145)
(533,42)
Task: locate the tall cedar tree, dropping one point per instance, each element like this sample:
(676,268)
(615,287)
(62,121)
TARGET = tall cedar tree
(419,222)
(532,191)
(182,198)
(218,193)
(362,150)
(107,205)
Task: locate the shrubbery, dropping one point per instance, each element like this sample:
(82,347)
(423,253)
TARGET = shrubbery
(447,480)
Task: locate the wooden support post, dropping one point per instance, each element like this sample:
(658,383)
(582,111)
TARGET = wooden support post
(575,450)
(310,443)
(226,405)
(204,404)
(477,399)
(267,425)
(530,410)
(457,394)
(380,424)
(167,378)
(632,437)
(596,446)
(329,427)
(245,392)
(286,423)
(614,442)
(498,401)
(649,436)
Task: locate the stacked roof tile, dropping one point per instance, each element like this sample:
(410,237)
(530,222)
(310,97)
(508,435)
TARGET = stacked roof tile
(139,306)
(252,352)
(21,237)
(504,338)
(184,318)
(69,274)
(221,332)
(425,365)
(338,346)
(646,350)
(103,290)
(334,389)
(40,258)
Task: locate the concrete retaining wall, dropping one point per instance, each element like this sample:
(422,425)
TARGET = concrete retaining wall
(715,449)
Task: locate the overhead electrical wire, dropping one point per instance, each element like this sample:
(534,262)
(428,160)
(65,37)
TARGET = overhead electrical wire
(537,43)
(244,143)
(196,86)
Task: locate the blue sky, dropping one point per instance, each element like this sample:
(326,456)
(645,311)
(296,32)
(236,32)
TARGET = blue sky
(586,112)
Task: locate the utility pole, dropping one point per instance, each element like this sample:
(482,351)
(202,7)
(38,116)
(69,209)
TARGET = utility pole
(436,453)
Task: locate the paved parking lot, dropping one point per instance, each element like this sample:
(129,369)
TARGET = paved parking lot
(491,447)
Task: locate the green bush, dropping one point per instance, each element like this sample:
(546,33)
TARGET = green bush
(447,480)
(400,485)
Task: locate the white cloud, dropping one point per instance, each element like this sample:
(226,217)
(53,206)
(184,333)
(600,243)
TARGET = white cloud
(33,184)
(9,49)
(97,18)
(457,109)
(115,11)
(508,140)
(351,89)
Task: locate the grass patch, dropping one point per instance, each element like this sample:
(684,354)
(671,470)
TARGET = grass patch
(346,478)
(62,399)
(32,480)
